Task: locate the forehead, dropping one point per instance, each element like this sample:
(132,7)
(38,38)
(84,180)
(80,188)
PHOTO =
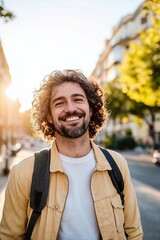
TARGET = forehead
(67,89)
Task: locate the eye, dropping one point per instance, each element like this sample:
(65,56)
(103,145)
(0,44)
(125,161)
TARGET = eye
(78,100)
(58,104)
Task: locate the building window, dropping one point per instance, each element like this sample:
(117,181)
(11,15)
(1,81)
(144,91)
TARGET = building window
(143,20)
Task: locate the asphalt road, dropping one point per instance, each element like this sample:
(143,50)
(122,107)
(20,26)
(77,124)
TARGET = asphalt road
(146,178)
(147,173)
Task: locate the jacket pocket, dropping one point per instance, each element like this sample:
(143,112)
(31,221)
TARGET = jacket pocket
(105,217)
(119,216)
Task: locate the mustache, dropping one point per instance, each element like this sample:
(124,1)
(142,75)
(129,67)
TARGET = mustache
(74,114)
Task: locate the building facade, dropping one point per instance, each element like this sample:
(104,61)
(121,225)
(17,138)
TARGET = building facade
(5,80)
(127,30)
(9,110)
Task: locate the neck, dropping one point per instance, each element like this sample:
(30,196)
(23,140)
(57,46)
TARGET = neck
(73,147)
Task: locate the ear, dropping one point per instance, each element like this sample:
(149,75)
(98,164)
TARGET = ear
(49,118)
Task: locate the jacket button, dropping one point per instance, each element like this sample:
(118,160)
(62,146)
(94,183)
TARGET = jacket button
(56,207)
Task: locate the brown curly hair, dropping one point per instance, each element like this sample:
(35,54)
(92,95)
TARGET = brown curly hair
(41,102)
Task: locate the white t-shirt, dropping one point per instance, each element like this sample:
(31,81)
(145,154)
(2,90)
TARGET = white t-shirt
(79,220)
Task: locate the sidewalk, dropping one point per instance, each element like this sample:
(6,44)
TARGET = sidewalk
(3,182)
(149,205)
(4,178)
(12,161)
(141,155)
(23,153)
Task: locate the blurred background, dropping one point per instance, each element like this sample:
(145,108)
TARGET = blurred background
(115,42)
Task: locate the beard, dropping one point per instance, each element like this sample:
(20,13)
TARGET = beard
(73,131)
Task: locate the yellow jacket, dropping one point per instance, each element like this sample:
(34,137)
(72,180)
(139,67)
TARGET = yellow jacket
(112,219)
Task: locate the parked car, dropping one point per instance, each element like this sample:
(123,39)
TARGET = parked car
(15,149)
(156,156)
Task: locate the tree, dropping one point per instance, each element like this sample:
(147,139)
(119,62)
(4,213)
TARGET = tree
(117,101)
(120,105)
(4,13)
(140,69)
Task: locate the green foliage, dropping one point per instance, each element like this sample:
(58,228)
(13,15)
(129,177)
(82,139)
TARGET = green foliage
(117,102)
(128,132)
(140,70)
(5,14)
(108,142)
(121,143)
(152,6)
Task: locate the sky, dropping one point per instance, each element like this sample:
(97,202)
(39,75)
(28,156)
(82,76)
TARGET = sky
(48,35)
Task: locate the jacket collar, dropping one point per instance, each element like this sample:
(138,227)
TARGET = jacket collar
(56,165)
(101,162)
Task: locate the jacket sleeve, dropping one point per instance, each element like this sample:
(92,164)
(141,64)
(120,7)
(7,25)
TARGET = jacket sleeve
(14,217)
(132,224)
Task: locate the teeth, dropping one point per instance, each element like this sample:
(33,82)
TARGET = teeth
(72,119)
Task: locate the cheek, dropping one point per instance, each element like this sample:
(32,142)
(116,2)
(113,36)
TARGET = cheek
(56,115)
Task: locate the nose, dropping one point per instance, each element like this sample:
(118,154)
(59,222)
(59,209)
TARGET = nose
(70,106)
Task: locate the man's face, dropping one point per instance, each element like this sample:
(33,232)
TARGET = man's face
(70,111)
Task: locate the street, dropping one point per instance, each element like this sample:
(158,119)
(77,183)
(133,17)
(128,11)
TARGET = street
(147,173)
(146,179)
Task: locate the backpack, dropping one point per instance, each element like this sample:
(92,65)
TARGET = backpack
(41,179)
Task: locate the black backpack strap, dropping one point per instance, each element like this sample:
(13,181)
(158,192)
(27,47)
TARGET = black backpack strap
(115,174)
(39,187)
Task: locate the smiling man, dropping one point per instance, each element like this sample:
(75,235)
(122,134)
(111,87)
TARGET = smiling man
(82,202)
(70,111)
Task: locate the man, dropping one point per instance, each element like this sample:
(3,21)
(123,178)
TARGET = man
(82,202)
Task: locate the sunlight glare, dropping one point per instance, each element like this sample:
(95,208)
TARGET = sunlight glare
(11,92)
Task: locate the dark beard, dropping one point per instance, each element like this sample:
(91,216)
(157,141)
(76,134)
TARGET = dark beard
(73,133)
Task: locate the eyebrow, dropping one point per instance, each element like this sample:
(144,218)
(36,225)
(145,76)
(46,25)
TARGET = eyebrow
(62,97)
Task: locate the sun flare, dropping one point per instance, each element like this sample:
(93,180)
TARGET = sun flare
(11,92)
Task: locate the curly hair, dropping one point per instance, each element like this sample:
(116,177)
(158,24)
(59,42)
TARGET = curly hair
(42,96)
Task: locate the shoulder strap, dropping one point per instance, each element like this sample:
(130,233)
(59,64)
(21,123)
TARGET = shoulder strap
(39,187)
(115,174)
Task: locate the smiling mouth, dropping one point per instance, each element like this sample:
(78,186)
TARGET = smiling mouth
(71,118)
